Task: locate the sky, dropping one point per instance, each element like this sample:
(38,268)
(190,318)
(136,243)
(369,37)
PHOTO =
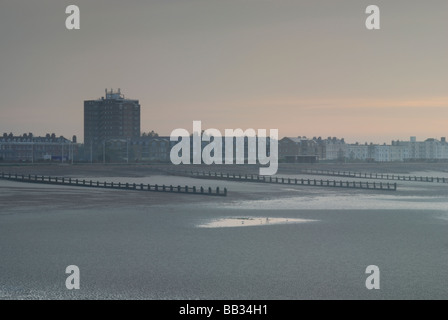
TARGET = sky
(306,68)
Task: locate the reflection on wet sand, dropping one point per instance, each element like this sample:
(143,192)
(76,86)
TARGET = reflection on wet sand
(250,221)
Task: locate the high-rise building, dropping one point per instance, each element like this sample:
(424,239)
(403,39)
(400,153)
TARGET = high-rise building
(111,117)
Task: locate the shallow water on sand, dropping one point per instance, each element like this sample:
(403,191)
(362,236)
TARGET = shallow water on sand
(304,243)
(335,202)
(249,222)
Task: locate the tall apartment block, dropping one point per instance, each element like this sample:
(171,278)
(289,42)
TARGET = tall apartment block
(111,118)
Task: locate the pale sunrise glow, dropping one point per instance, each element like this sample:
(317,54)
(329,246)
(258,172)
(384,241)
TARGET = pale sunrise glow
(307,68)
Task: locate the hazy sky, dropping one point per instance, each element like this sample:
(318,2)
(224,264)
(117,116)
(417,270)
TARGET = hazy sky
(304,67)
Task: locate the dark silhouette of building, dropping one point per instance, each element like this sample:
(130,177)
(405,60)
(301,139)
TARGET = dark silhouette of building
(300,150)
(111,117)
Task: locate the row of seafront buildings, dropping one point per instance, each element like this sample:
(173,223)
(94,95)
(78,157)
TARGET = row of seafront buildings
(112,133)
(50,148)
(28,148)
(302,149)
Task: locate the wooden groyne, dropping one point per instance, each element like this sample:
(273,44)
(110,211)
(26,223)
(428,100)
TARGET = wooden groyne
(377,176)
(111,185)
(288,181)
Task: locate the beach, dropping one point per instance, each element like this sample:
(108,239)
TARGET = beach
(284,242)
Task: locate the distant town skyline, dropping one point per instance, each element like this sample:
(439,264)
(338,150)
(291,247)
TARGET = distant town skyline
(305,68)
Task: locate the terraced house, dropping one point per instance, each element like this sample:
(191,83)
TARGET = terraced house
(28,148)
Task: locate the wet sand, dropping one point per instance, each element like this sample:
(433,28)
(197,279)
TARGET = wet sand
(143,245)
(143,170)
